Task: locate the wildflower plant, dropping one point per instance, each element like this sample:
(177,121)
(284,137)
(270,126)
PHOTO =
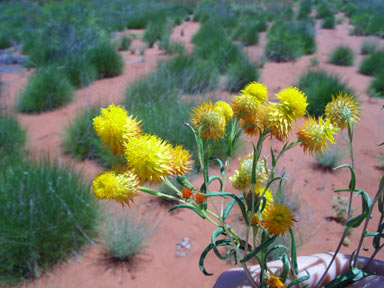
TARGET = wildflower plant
(265,217)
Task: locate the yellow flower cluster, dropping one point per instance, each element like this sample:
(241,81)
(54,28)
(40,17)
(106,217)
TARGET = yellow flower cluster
(211,119)
(148,157)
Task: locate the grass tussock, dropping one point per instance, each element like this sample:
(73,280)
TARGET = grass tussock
(47,213)
(12,137)
(320,86)
(373,64)
(369,46)
(47,89)
(330,158)
(342,56)
(376,88)
(107,61)
(125,235)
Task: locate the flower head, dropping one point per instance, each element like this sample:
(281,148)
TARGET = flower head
(187,193)
(120,187)
(242,179)
(253,124)
(212,122)
(341,109)
(277,219)
(313,135)
(278,121)
(150,157)
(115,127)
(274,282)
(259,191)
(200,198)
(181,160)
(225,109)
(257,90)
(293,103)
(245,106)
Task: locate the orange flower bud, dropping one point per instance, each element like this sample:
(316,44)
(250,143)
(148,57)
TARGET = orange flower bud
(186,193)
(200,198)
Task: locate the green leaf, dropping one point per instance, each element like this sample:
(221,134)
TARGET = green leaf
(379,234)
(352,183)
(273,158)
(381,144)
(212,178)
(188,206)
(299,280)
(285,272)
(222,169)
(228,208)
(279,246)
(293,253)
(381,199)
(254,164)
(224,242)
(366,203)
(254,252)
(350,276)
(236,198)
(229,149)
(215,234)
(280,190)
(344,190)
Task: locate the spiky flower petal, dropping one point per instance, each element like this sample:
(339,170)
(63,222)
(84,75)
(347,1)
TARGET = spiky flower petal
(242,179)
(212,122)
(253,124)
(225,109)
(115,127)
(274,282)
(293,103)
(341,109)
(149,157)
(181,160)
(277,219)
(256,89)
(120,187)
(278,121)
(313,135)
(245,106)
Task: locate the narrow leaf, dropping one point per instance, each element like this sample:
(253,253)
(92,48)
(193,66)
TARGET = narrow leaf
(299,280)
(366,203)
(284,273)
(215,234)
(293,253)
(352,183)
(206,251)
(254,252)
(221,165)
(350,276)
(212,178)
(228,208)
(188,206)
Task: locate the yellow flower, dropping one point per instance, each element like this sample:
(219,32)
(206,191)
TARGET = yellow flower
(341,109)
(253,124)
(181,160)
(274,282)
(257,90)
(115,127)
(149,157)
(293,103)
(120,187)
(277,219)
(242,179)
(245,106)
(225,109)
(259,190)
(277,121)
(313,135)
(212,122)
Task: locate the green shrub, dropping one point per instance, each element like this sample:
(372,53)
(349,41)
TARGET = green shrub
(124,43)
(216,11)
(80,139)
(5,40)
(47,213)
(328,159)
(342,56)
(328,22)
(319,86)
(323,10)
(369,46)
(373,64)
(78,69)
(107,61)
(289,40)
(376,88)
(126,234)
(367,17)
(154,31)
(171,47)
(241,73)
(12,137)
(47,89)
(305,9)
(246,33)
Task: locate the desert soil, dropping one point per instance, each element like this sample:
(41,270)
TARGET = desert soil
(157,264)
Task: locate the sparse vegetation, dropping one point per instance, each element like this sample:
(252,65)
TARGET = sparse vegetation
(329,159)
(342,56)
(12,137)
(373,64)
(320,86)
(240,74)
(328,22)
(369,46)
(124,43)
(376,88)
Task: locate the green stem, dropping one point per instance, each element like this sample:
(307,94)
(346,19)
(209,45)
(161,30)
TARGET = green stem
(159,194)
(170,185)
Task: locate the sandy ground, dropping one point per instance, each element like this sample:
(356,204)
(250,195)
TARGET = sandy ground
(157,265)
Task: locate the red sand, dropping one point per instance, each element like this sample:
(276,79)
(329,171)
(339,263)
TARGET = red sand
(157,264)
